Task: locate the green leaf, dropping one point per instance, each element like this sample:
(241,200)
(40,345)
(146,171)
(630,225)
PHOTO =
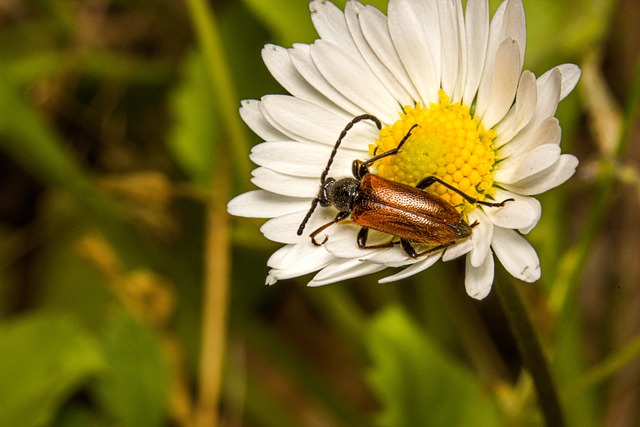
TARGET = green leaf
(45,358)
(193,138)
(417,384)
(134,387)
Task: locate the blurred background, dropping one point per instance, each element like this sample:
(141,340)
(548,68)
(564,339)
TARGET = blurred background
(128,297)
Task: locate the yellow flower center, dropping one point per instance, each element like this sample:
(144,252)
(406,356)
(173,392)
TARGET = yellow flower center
(447,143)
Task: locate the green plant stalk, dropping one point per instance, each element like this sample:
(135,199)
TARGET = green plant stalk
(215,309)
(217,251)
(531,351)
(211,44)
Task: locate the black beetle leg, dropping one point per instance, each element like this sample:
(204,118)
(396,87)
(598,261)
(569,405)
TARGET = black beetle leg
(411,252)
(408,249)
(363,234)
(426,182)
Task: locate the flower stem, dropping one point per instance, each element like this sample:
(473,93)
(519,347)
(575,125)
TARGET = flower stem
(531,351)
(210,42)
(215,305)
(217,253)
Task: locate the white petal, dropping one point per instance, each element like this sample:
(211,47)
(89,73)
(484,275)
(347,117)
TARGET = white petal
(298,260)
(450,51)
(391,257)
(548,96)
(494,104)
(257,122)
(303,159)
(517,255)
(570,76)
(521,112)
(263,204)
(427,15)
(493,43)
(413,48)
(457,250)
(281,67)
(481,238)
(547,179)
(331,25)
(524,165)
(387,78)
(272,278)
(355,80)
(375,29)
(477,32)
(303,121)
(344,269)
(514,26)
(458,91)
(412,269)
(478,280)
(286,185)
(523,213)
(547,132)
(344,245)
(283,229)
(301,58)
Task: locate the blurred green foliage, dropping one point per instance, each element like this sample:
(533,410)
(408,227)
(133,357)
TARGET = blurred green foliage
(112,139)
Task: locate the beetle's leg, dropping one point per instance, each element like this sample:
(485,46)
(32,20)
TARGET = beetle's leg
(363,167)
(426,182)
(363,234)
(338,218)
(410,251)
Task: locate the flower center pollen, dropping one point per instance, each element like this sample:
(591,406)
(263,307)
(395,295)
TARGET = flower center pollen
(447,143)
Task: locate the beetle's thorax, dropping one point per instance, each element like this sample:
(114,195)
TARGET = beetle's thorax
(342,193)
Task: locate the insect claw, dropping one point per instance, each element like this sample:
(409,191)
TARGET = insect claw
(315,242)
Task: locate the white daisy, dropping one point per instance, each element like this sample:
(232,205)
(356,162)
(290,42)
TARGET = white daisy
(484,126)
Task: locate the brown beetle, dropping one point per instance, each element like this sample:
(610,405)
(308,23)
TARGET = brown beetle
(408,213)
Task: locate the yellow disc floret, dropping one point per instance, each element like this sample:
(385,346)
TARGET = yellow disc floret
(447,143)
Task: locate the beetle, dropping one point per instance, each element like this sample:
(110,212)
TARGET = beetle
(410,214)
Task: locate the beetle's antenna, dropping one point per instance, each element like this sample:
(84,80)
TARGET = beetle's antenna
(344,132)
(325,172)
(314,203)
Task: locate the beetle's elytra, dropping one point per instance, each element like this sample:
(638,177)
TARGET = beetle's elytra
(409,214)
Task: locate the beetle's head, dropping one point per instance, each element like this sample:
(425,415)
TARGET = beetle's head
(341,193)
(463,230)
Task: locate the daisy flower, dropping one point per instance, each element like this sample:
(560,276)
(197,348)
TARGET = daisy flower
(482,125)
